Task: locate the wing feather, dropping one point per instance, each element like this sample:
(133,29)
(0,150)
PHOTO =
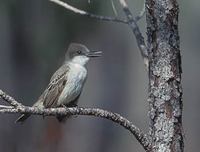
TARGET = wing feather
(52,92)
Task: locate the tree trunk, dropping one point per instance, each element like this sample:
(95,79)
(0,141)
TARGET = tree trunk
(165,92)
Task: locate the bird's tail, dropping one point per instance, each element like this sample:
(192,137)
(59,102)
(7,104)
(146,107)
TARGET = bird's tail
(22,118)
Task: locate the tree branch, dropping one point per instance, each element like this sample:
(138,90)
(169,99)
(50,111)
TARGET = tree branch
(19,108)
(6,107)
(82,12)
(10,100)
(114,8)
(141,14)
(132,22)
(136,31)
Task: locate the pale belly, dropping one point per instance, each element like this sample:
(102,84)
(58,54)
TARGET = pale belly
(75,81)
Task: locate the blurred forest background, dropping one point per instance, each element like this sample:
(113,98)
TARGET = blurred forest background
(34,36)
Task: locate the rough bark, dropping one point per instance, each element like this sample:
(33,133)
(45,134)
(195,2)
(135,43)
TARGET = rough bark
(165,92)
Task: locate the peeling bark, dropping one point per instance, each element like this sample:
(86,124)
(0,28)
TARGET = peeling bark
(165,91)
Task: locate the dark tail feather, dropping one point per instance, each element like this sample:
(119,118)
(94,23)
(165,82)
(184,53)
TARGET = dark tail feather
(22,118)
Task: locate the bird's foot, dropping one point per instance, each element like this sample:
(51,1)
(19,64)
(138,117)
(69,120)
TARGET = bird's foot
(64,106)
(74,105)
(69,106)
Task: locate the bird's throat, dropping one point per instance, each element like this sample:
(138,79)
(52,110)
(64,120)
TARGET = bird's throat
(81,60)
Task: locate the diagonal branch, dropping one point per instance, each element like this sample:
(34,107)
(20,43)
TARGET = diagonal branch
(82,12)
(114,8)
(6,107)
(141,14)
(139,135)
(132,22)
(10,100)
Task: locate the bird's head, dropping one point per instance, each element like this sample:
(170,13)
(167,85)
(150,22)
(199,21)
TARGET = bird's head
(80,54)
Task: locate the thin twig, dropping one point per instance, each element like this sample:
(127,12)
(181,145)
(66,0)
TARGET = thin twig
(136,31)
(114,8)
(82,12)
(10,100)
(132,22)
(141,14)
(6,107)
(139,135)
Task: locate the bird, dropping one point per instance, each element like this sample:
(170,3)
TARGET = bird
(66,84)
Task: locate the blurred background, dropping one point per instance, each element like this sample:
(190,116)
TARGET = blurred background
(34,36)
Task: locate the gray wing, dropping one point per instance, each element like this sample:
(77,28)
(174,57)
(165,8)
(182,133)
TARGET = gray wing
(57,83)
(60,71)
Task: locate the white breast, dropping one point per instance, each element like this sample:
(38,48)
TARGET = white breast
(75,80)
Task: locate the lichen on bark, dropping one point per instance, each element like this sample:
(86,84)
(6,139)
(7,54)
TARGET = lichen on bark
(165,93)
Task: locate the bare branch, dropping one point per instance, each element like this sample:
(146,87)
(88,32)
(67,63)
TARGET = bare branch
(114,8)
(10,100)
(136,31)
(132,22)
(82,12)
(19,108)
(141,14)
(6,107)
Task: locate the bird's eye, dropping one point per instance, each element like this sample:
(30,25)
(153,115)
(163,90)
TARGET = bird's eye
(79,52)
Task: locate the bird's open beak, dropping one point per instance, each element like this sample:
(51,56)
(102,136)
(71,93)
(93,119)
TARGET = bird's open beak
(94,54)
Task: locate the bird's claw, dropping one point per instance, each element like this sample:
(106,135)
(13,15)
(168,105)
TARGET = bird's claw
(64,106)
(74,105)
